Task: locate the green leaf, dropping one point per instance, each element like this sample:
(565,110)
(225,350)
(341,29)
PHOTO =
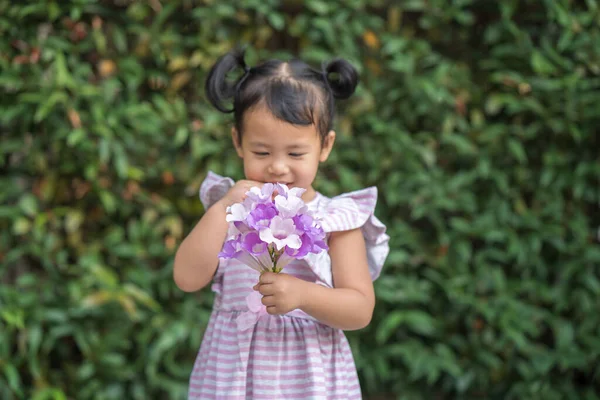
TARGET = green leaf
(541,65)
(141,296)
(181,135)
(21,226)
(29,205)
(14,318)
(48,104)
(318,6)
(75,137)
(73,221)
(276,20)
(564,334)
(108,201)
(389,326)
(517,150)
(12,375)
(62,74)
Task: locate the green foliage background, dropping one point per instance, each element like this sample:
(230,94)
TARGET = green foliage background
(477,120)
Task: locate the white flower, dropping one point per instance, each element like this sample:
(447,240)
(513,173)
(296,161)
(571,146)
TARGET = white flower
(232,231)
(296,192)
(289,207)
(259,265)
(236,212)
(261,195)
(284,259)
(281,232)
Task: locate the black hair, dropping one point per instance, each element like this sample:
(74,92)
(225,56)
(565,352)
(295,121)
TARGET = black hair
(292,91)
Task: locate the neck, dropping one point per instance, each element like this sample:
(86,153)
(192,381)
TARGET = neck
(309,195)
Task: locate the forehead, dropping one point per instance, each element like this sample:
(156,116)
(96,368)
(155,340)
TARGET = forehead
(262,127)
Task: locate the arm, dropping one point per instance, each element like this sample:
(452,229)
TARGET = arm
(348,306)
(196,259)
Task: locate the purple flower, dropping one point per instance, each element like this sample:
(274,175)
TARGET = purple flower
(303,222)
(261,216)
(319,246)
(268,233)
(312,234)
(241,226)
(303,250)
(310,244)
(230,248)
(252,244)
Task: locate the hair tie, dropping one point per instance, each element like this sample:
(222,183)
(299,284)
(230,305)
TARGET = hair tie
(243,78)
(328,87)
(325,74)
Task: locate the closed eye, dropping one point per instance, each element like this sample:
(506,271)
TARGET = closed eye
(261,153)
(296,154)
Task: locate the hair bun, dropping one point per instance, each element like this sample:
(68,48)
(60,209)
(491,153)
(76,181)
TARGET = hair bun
(344,85)
(218,89)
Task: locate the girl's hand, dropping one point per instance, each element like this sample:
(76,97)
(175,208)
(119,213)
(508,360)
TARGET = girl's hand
(281,292)
(237,193)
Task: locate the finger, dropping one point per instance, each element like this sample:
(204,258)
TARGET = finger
(267,277)
(268,301)
(253,184)
(266,289)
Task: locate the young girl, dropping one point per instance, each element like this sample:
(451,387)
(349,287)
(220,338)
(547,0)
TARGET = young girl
(294,346)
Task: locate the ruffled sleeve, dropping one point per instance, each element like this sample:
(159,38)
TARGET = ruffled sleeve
(214,188)
(351,211)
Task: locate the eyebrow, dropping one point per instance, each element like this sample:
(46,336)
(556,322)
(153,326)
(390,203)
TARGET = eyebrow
(291,147)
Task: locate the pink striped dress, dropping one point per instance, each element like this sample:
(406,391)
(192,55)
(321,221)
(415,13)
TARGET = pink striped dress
(254,355)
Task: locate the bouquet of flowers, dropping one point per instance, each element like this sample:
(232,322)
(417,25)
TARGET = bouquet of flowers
(271,228)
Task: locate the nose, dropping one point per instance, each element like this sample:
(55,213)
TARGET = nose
(278,168)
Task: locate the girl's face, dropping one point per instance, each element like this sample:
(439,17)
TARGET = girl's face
(277,151)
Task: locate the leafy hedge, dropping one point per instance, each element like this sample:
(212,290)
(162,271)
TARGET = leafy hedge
(477,120)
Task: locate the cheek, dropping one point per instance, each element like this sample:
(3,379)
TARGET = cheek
(309,168)
(252,168)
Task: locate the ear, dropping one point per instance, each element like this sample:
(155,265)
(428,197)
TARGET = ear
(236,142)
(327,146)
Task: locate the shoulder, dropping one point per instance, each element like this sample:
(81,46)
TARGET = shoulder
(347,211)
(350,240)
(349,220)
